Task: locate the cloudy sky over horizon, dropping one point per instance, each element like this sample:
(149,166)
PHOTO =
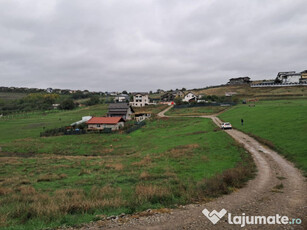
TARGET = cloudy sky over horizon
(139,45)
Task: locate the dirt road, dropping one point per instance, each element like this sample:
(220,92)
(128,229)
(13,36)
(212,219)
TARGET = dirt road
(262,196)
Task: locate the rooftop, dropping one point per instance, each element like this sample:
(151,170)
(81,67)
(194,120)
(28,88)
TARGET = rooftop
(105,120)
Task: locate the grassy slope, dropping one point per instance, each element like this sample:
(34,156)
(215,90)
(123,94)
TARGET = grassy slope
(195,111)
(31,124)
(284,123)
(156,166)
(154,109)
(248,92)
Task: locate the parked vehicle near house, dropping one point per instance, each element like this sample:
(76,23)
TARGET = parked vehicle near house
(226,125)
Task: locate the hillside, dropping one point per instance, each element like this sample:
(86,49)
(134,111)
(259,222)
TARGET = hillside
(245,91)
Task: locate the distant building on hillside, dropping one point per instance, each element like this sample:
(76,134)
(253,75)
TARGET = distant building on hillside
(49,90)
(167,97)
(178,93)
(170,96)
(303,77)
(160,91)
(121,98)
(239,81)
(189,97)
(289,77)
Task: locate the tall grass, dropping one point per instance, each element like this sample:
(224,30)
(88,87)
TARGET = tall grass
(280,124)
(68,180)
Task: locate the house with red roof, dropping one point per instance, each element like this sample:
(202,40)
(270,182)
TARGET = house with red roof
(100,123)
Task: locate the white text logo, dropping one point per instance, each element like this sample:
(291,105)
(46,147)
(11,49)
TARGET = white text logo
(214,216)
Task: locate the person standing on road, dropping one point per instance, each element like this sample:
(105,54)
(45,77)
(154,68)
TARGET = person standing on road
(242,121)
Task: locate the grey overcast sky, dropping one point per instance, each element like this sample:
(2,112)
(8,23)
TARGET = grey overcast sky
(141,45)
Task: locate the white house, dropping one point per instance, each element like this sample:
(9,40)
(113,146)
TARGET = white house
(140,100)
(288,77)
(189,96)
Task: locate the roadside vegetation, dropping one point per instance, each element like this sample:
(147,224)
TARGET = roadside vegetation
(280,124)
(68,180)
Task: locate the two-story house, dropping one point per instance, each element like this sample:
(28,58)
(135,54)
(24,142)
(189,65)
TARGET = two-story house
(140,100)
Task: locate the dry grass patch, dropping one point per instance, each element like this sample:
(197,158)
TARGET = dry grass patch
(152,193)
(117,166)
(5,191)
(11,160)
(225,182)
(205,158)
(26,190)
(144,176)
(84,172)
(170,174)
(182,150)
(24,181)
(49,177)
(3,220)
(12,181)
(75,201)
(103,151)
(144,162)
(104,192)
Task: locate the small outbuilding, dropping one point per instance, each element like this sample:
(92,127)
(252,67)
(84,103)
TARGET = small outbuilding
(139,117)
(100,123)
(84,119)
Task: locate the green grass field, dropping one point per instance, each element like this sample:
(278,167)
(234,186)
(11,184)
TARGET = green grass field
(195,111)
(11,96)
(30,125)
(68,180)
(283,123)
(153,109)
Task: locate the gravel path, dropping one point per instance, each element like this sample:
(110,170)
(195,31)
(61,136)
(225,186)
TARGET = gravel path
(260,197)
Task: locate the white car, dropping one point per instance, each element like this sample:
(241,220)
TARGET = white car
(226,125)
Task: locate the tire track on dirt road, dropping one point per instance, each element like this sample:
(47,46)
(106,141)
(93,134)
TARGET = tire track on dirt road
(260,197)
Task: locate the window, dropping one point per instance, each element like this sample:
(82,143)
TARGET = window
(98,126)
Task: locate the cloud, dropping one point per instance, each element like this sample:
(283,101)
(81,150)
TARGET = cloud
(142,45)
